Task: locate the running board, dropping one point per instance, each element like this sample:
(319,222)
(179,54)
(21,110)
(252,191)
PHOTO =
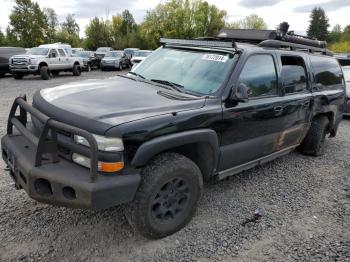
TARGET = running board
(238,169)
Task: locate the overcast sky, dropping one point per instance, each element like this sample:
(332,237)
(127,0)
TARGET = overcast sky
(296,12)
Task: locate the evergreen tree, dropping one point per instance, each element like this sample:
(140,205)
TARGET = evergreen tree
(318,27)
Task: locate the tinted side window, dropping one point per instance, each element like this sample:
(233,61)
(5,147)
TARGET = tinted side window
(53,51)
(259,75)
(293,73)
(62,53)
(326,70)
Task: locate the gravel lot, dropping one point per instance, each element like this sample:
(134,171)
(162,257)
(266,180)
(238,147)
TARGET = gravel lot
(306,204)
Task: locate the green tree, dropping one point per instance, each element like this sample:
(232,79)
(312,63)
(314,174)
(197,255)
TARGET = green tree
(335,35)
(97,34)
(28,23)
(252,21)
(128,22)
(2,38)
(53,23)
(318,27)
(181,19)
(70,25)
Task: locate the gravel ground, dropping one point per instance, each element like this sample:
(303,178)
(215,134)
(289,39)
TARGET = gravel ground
(305,202)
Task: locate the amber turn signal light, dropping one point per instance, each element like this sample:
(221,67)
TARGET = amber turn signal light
(111,167)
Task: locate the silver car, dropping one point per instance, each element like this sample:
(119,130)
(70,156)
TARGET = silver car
(114,60)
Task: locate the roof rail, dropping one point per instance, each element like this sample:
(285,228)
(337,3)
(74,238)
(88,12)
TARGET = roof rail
(295,47)
(204,43)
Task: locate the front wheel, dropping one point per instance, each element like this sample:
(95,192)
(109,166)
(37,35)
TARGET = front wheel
(44,73)
(168,196)
(76,70)
(120,67)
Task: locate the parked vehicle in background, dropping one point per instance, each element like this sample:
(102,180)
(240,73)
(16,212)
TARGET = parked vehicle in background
(115,60)
(101,52)
(192,111)
(130,53)
(89,60)
(45,60)
(139,56)
(345,63)
(77,50)
(5,55)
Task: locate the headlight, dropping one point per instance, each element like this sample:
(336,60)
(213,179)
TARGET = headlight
(106,167)
(110,144)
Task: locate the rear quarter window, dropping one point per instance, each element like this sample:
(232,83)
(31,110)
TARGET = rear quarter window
(327,71)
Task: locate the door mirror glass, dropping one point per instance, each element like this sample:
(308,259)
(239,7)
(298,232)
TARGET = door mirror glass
(241,94)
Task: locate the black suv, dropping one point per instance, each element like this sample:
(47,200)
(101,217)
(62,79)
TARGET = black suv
(193,111)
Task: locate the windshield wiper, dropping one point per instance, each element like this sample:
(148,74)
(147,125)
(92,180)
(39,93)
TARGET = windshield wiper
(136,74)
(174,86)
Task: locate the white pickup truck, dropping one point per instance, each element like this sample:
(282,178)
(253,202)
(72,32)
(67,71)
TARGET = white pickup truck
(45,60)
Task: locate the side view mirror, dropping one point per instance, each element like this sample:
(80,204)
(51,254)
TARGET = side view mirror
(241,94)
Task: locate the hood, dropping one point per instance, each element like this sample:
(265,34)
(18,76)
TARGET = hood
(138,58)
(111,58)
(112,101)
(27,56)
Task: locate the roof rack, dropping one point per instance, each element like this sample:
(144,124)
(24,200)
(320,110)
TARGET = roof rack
(279,38)
(206,42)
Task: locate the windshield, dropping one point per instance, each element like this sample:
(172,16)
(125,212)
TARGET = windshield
(195,71)
(38,51)
(113,54)
(346,71)
(142,54)
(102,49)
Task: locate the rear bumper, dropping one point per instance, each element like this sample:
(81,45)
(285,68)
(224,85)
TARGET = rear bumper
(64,183)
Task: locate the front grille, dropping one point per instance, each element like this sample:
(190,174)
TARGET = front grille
(19,61)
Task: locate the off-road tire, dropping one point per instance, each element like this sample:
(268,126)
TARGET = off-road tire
(88,68)
(44,73)
(76,70)
(170,182)
(17,76)
(314,142)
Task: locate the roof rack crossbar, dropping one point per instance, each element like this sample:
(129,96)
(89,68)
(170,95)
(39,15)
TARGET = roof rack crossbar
(208,43)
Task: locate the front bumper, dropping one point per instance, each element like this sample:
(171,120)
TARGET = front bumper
(56,180)
(24,68)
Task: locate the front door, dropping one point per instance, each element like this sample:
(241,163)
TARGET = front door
(251,129)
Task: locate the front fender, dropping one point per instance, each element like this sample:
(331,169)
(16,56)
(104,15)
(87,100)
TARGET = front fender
(157,145)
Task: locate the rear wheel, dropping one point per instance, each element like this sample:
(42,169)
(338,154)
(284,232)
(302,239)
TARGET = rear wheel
(314,142)
(17,76)
(44,73)
(168,196)
(76,70)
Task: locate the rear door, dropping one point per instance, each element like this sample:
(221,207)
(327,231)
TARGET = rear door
(63,60)
(297,98)
(251,129)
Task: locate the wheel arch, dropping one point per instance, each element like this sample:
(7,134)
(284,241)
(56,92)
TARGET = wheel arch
(201,146)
